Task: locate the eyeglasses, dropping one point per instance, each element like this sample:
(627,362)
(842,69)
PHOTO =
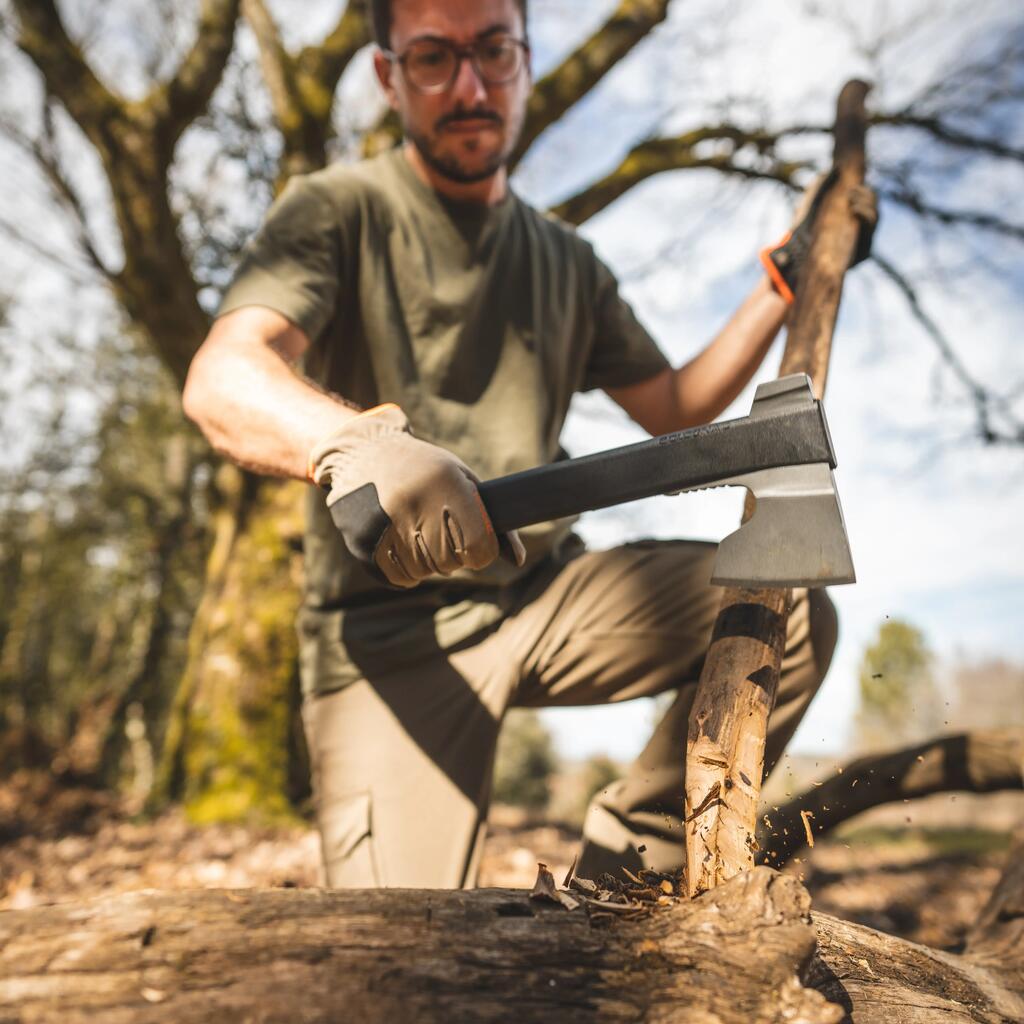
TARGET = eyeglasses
(431,65)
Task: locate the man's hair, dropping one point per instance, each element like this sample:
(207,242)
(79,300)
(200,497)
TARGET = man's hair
(381,11)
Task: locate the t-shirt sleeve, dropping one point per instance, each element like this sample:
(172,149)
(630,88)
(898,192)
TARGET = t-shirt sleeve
(623,352)
(292,263)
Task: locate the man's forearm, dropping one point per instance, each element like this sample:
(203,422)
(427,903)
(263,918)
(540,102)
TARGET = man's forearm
(255,409)
(706,385)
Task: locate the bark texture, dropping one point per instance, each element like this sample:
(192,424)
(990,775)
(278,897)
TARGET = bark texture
(735,955)
(748,952)
(729,718)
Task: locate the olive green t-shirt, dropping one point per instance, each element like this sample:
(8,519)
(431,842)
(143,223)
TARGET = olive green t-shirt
(480,323)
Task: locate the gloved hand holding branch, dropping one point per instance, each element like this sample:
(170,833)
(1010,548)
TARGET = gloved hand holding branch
(785,259)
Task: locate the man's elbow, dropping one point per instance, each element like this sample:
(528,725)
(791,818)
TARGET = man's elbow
(197,394)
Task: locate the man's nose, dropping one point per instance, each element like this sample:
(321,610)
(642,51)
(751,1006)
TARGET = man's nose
(468,87)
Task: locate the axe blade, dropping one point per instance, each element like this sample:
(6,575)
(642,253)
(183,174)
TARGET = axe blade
(796,536)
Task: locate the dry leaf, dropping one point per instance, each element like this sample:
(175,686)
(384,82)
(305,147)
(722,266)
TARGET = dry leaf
(544,889)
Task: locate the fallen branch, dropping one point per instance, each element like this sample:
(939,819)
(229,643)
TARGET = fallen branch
(977,762)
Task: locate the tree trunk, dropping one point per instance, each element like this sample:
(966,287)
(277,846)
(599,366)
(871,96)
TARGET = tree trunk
(229,742)
(748,951)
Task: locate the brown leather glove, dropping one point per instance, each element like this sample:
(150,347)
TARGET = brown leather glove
(785,259)
(406,508)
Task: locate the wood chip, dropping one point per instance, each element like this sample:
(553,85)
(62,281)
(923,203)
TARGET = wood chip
(569,874)
(805,817)
(544,889)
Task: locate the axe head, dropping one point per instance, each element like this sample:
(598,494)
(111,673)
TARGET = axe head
(796,536)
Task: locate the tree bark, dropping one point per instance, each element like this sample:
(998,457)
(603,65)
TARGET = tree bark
(736,692)
(229,737)
(748,951)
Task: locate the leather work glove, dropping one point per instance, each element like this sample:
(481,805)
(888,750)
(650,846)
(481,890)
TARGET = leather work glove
(785,259)
(406,508)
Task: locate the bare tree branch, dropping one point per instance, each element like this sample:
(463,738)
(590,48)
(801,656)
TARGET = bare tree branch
(684,152)
(943,132)
(555,93)
(43,39)
(975,218)
(178,102)
(277,65)
(302,87)
(983,398)
(325,64)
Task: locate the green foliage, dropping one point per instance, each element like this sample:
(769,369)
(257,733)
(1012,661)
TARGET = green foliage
(525,761)
(101,545)
(899,699)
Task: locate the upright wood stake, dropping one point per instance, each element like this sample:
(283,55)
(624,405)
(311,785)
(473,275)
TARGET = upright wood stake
(729,719)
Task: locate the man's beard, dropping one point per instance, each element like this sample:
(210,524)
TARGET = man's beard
(449,165)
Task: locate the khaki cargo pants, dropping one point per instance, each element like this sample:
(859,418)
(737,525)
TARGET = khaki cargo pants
(402,762)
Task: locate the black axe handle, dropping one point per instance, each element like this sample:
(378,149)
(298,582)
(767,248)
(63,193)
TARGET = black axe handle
(699,457)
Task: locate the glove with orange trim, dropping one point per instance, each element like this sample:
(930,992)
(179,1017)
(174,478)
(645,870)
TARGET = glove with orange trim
(785,259)
(404,507)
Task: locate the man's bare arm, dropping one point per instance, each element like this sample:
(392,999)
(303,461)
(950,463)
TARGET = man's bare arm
(701,389)
(253,407)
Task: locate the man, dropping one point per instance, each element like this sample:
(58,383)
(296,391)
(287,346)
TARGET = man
(443,327)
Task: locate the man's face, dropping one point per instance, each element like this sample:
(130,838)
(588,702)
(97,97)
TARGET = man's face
(467,131)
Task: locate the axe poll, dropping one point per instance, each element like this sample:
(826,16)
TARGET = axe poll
(782,453)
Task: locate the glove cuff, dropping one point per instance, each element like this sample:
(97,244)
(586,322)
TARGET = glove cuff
(392,421)
(779,265)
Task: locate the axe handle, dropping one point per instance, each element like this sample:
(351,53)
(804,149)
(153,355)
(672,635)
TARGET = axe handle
(700,457)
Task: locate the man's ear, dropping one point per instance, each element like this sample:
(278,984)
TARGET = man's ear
(383,67)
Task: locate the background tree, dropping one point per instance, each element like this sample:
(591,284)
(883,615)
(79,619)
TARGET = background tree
(900,701)
(525,761)
(161,132)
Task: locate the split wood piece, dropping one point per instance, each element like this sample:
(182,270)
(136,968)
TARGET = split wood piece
(729,717)
(984,761)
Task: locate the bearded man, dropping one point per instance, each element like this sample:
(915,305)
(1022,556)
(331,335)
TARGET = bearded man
(398,330)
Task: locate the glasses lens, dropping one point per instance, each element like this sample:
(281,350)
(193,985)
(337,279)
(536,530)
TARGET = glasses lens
(429,64)
(498,58)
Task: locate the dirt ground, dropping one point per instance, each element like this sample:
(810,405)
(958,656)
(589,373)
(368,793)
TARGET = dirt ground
(923,883)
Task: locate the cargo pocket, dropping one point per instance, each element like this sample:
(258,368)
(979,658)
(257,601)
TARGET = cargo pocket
(346,841)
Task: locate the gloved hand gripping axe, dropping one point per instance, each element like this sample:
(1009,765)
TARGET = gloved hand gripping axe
(782,453)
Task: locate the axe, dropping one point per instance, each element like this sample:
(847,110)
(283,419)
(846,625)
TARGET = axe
(782,453)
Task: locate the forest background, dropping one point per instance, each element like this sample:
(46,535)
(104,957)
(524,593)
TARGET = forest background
(148,591)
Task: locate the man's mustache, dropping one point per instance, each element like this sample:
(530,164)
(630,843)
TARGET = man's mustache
(480,114)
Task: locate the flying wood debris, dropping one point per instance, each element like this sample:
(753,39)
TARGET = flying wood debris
(805,817)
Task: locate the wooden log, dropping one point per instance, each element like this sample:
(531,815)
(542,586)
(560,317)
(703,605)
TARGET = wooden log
(729,718)
(743,953)
(984,761)
(879,979)
(416,955)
